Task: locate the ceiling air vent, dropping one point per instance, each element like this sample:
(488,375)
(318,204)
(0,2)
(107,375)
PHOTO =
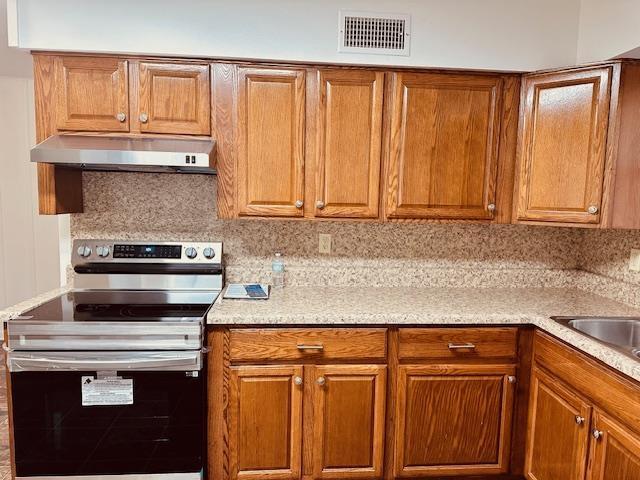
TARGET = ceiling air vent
(382,33)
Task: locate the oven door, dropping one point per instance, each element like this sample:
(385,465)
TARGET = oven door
(108,413)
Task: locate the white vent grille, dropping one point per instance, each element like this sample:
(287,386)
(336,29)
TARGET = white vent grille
(366,32)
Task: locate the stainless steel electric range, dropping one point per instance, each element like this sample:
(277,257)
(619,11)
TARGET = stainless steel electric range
(107,380)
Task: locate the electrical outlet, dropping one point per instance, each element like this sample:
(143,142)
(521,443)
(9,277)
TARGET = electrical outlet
(324,244)
(634,260)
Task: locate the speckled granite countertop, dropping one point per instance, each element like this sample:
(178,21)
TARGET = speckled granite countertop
(432,306)
(419,306)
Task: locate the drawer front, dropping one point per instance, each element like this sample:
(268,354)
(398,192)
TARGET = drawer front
(264,344)
(448,343)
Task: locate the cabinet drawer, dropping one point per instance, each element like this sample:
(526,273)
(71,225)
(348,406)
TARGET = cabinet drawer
(263,344)
(447,343)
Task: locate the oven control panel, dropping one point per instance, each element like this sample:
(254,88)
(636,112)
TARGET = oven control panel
(116,251)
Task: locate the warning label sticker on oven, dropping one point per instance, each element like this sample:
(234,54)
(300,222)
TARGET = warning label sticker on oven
(107,391)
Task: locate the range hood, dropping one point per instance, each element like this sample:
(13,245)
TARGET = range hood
(92,152)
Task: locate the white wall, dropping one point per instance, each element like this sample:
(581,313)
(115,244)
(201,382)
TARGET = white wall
(486,34)
(30,260)
(609,29)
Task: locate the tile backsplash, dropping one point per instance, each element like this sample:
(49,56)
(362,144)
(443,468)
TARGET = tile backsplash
(162,206)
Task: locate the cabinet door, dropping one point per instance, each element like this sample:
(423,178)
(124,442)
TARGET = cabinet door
(349,139)
(174,98)
(615,454)
(562,148)
(443,145)
(557,433)
(92,94)
(265,422)
(348,429)
(271,106)
(453,420)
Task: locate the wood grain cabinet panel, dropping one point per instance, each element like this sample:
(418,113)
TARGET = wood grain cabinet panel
(615,454)
(265,422)
(443,145)
(558,431)
(349,415)
(270,170)
(563,144)
(173,98)
(92,94)
(349,136)
(453,420)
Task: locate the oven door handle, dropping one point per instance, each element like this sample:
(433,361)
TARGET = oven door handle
(87,361)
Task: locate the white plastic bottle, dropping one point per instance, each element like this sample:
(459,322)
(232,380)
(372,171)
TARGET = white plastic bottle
(277,271)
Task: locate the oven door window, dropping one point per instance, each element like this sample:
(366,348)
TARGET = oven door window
(54,434)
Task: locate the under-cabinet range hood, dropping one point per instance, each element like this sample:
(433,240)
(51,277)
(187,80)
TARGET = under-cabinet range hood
(143,154)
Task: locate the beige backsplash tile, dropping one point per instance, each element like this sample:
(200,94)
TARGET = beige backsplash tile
(165,206)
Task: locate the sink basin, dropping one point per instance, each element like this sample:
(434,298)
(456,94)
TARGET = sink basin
(621,333)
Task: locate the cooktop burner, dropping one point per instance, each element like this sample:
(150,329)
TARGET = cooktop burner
(114,306)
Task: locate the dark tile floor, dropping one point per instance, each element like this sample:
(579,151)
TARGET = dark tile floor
(5,462)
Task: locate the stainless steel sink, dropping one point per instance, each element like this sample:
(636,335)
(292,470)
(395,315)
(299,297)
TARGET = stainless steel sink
(622,333)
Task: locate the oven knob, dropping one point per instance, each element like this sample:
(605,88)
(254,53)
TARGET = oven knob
(84,251)
(103,251)
(209,253)
(191,252)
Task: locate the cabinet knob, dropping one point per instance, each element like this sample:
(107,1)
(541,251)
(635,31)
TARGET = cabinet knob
(592,209)
(491,207)
(321,381)
(511,379)
(579,420)
(144,118)
(299,203)
(121,117)
(297,380)
(597,434)
(319,204)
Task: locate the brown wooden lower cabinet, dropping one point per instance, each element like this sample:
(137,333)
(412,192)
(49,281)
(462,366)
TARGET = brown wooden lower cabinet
(348,421)
(615,454)
(453,419)
(265,422)
(558,431)
(315,404)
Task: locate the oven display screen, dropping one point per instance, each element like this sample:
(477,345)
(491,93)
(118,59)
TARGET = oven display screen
(147,251)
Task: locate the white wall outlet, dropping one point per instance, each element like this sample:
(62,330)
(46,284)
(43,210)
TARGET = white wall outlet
(634,260)
(324,244)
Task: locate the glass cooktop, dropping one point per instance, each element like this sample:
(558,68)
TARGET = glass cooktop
(111,306)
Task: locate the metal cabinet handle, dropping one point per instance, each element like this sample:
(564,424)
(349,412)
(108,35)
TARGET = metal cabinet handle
(491,207)
(579,420)
(299,203)
(297,380)
(593,209)
(144,118)
(303,347)
(597,434)
(121,117)
(321,381)
(511,379)
(319,204)
(461,346)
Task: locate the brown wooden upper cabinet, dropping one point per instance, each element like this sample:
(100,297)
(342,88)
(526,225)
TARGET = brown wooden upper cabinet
(92,94)
(443,145)
(349,137)
(270,142)
(173,98)
(577,141)
(563,146)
